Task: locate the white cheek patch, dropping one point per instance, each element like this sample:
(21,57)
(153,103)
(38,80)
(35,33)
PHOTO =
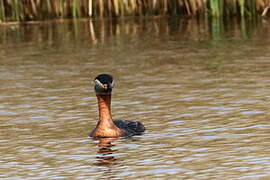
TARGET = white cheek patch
(97,82)
(112,84)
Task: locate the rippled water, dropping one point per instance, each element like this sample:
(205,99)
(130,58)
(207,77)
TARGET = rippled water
(204,100)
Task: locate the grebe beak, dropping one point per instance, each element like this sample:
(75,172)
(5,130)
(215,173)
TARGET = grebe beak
(103,88)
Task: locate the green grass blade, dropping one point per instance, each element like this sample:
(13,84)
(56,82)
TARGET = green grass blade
(214,7)
(2,11)
(242,7)
(16,9)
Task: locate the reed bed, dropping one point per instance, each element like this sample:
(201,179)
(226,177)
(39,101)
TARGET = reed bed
(23,10)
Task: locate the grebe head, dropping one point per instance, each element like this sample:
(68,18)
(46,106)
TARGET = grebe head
(103,84)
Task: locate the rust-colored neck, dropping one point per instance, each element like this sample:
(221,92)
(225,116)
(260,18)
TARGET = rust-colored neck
(105,126)
(104,106)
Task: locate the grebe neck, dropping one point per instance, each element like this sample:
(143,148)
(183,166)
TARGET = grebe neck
(104,106)
(105,126)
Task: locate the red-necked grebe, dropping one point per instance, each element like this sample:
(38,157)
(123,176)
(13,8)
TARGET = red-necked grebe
(107,127)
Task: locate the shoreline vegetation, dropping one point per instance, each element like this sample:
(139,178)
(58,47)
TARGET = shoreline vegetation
(38,10)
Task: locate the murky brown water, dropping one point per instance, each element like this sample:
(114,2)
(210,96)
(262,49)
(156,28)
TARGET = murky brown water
(204,96)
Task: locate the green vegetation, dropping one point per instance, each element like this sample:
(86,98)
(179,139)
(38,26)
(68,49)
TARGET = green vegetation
(23,10)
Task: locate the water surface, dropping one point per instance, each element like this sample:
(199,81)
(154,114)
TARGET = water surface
(202,94)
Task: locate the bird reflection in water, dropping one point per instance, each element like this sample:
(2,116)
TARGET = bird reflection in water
(106,154)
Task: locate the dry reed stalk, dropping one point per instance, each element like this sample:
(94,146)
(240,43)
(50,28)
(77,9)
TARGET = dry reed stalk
(90,8)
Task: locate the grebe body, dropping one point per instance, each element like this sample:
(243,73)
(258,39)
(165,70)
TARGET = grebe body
(107,127)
